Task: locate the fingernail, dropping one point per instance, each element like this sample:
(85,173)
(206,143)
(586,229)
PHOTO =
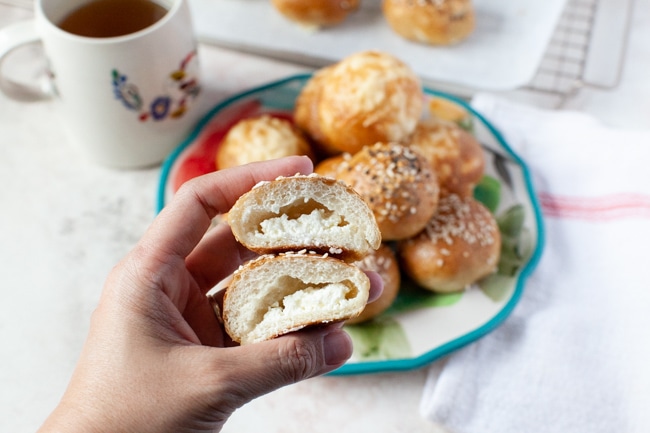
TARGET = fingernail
(337,347)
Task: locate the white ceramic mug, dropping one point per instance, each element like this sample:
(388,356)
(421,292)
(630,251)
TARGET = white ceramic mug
(126,101)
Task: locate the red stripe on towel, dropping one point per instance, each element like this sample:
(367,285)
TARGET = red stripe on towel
(608,207)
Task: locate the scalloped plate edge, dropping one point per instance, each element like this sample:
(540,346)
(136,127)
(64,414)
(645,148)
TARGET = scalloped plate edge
(446,348)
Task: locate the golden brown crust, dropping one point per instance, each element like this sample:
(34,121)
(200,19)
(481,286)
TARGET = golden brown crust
(365,98)
(398,185)
(455,155)
(435,22)
(305,114)
(460,245)
(384,262)
(450,111)
(316,13)
(331,166)
(472,162)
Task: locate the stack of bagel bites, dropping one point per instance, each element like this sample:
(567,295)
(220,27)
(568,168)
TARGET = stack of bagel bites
(366,124)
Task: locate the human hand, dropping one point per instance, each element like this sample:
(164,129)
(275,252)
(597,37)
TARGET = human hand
(155,359)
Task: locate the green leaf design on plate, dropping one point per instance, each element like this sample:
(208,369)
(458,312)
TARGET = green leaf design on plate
(488,192)
(496,286)
(467,124)
(512,221)
(516,240)
(379,339)
(413,297)
(516,247)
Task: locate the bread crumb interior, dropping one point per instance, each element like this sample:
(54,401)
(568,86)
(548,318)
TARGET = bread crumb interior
(291,298)
(306,216)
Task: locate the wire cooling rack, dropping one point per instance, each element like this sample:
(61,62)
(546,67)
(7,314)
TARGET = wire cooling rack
(586,49)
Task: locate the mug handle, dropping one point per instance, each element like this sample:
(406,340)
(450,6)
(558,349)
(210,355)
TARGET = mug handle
(11,38)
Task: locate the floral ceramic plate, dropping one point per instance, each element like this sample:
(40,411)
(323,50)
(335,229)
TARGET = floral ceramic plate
(420,326)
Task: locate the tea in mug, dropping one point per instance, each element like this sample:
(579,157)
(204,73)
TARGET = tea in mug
(110,18)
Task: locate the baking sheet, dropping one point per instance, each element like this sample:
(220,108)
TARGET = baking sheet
(503,53)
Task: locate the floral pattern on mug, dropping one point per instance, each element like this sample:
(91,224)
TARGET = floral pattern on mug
(160,107)
(180,90)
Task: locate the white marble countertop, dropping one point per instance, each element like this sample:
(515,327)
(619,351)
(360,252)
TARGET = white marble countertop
(64,223)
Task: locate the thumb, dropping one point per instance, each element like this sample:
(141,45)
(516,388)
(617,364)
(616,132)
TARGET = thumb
(264,367)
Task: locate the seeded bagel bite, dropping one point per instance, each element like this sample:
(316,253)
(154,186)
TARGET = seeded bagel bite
(398,185)
(460,245)
(384,262)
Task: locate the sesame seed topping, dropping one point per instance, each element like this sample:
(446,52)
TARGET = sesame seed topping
(456,218)
(304,252)
(391,177)
(374,262)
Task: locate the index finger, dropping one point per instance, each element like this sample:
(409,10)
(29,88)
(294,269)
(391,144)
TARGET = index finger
(182,223)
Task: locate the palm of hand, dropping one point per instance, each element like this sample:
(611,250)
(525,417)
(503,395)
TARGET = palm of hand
(156,358)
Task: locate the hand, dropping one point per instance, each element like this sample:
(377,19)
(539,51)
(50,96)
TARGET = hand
(155,359)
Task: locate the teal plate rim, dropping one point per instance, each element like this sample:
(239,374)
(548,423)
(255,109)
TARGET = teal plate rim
(382,366)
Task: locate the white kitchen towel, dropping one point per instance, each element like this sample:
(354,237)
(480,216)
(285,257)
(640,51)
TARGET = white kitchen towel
(574,356)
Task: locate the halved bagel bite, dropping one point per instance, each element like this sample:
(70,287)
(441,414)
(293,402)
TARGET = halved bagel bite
(305,212)
(277,294)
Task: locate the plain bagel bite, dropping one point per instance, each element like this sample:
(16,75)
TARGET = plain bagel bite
(433,22)
(316,13)
(384,262)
